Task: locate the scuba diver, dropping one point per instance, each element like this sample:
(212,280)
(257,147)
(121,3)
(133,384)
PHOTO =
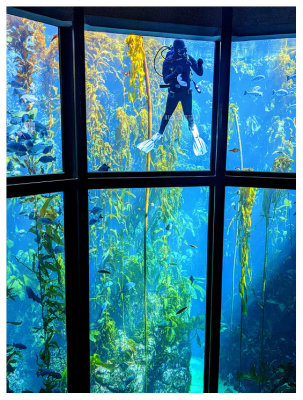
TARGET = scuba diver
(176,75)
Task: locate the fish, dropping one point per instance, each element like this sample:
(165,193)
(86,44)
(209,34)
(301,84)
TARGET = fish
(40,128)
(10,166)
(59,249)
(293,77)
(96,210)
(123,366)
(169,226)
(47,149)
(25,118)
(126,73)
(173,263)
(152,204)
(49,372)
(103,308)
(280,92)
(32,295)
(54,37)
(128,287)
(198,340)
(37,148)
(253,93)
(19,346)
(14,147)
(104,167)
(12,129)
(103,271)
(29,98)
(23,135)
(163,324)
(181,311)
(193,246)
(128,381)
(234,150)
(16,121)
(16,84)
(45,221)
(47,159)
(108,284)
(92,221)
(32,215)
(258,78)
(14,323)
(191,278)
(29,144)
(16,92)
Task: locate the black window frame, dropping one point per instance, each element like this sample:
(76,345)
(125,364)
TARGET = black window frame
(75,182)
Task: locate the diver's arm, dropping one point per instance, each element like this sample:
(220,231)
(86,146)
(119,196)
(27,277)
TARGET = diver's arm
(168,75)
(196,66)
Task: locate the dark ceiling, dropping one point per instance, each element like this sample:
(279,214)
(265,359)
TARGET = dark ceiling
(246,20)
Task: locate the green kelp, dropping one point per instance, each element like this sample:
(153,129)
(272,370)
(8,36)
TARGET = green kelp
(246,201)
(125,103)
(34,117)
(120,338)
(36,277)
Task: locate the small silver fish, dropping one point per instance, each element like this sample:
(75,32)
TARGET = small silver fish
(258,78)
(255,93)
(280,92)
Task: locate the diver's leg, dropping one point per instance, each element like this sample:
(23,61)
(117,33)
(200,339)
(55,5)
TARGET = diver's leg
(171,105)
(187,105)
(149,144)
(199,146)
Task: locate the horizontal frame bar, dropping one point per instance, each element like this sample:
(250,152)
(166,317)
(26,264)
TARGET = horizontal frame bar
(27,189)
(23,13)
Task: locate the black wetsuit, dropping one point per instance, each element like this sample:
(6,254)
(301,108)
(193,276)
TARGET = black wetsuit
(172,67)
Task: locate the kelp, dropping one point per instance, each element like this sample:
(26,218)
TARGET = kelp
(26,39)
(45,278)
(233,117)
(246,202)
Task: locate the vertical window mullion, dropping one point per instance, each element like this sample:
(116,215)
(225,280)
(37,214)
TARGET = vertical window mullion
(76,203)
(216,214)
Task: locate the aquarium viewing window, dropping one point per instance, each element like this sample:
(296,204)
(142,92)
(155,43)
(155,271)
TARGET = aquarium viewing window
(122,76)
(34,144)
(146,264)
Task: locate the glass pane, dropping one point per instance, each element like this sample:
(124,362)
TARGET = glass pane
(262,106)
(258,328)
(34,143)
(147,335)
(125,103)
(36,336)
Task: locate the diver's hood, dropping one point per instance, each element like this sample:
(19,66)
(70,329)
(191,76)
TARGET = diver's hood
(178,44)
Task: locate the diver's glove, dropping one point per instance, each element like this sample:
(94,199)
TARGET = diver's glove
(170,78)
(199,146)
(200,62)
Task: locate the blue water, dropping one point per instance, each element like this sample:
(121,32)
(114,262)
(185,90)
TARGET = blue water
(147,335)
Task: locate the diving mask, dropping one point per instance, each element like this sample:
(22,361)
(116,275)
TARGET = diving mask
(182,52)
